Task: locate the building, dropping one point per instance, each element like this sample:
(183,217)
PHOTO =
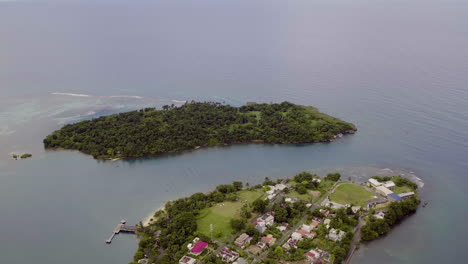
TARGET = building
(261,227)
(290,200)
(280,187)
(395,197)
(314,224)
(336,235)
(296,236)
(383,190)
(242,240)
(198,248)
(307,234)
(306,227)
(143,261)
(269,240)
(261,245)
(291,243)
(373,182)
(406,195)
(355,209)
(187,260)
(281,228)
(379,215)
(389,185)
(228,255)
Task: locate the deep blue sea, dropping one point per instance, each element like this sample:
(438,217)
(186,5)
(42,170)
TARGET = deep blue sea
(397,69)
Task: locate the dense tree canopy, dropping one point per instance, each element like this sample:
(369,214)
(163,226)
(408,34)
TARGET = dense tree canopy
(150,132)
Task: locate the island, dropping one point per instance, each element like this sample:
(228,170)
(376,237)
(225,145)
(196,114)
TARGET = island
(150,132)
(303,219)
(23,156)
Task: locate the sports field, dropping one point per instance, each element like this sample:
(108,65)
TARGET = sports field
(221,214)
(349,193)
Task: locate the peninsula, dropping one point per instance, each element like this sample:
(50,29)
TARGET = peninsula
(150,132)
(304,219)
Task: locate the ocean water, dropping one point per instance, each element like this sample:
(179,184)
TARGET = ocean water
(397,69)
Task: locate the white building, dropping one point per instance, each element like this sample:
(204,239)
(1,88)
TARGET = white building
(187,260)
(374,182)
(389,185)
(336,235)
(296,236)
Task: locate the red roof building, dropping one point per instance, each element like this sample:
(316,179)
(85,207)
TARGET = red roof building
(199,247)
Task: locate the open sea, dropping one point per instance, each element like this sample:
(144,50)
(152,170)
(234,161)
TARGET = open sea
(397,69)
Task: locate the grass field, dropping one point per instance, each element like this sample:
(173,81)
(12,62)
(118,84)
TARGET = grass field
(305,197)
(221,214)
(402,189)
(349,193)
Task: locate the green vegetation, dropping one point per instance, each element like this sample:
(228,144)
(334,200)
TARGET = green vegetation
(396,211)
(151,132)
(25,156)
(349,193)
(220,215)
(399,181)
(333,177)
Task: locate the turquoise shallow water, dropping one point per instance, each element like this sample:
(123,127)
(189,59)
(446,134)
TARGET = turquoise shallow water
(395,69)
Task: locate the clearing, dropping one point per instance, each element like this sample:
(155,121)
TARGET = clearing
(221,214)
(349,193)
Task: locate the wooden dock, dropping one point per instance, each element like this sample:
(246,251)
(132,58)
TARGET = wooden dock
(121,228)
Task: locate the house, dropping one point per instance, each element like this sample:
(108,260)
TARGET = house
(307,234)
(306,227)
(373,182)
(324,212)
(312,255)
(228,255)
(406,195)
(271,197)
(290,200)
(187,260)
(379,215)
(314,224)
(327,223)
(198,248)
(242,240)
(389,185)
(355,209)
(291,243)
(280,187)
(261,227)
(394,197)
(317,180)
(270,240)
(269,220)
(296,236)
(143,261)
(281,228)
(315,254)
(261,245)
(336,235)
(318,219)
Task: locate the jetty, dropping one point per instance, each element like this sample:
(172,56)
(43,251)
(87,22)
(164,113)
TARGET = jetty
(121,227)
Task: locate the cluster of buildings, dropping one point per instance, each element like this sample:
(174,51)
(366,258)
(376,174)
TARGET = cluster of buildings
(195,248)
(303,231)
(317,256)
(262,222)
(228,255)
(275,190)
(386,189)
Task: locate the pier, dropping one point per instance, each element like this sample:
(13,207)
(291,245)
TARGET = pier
(121,228)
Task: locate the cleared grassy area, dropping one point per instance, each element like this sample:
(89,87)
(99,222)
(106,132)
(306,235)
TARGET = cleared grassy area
(305,197)
(349,193)
(221,214)
(402,189)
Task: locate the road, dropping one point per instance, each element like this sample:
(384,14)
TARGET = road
(296,227)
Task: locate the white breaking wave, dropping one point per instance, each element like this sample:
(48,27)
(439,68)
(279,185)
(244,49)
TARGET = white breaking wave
(72,94)
(177,101)
(126,96)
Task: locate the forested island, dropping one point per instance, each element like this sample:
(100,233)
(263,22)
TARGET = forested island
(303,219)
(149,132)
